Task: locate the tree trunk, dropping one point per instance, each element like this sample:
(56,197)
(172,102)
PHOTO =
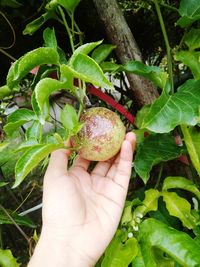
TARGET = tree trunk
(119,33)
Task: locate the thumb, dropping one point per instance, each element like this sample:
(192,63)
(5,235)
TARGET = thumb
(58,163)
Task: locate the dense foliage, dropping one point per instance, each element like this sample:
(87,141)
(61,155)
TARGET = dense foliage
(41,100)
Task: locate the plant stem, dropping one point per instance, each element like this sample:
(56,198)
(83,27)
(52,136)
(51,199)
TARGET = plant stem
(168,48)
(83,88)
(167,6)
(24,199)
(15,224)
(1,238)
(159,176)
(12,29)
(67,28)
(7,54)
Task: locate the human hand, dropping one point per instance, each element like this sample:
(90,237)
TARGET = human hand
(81,210)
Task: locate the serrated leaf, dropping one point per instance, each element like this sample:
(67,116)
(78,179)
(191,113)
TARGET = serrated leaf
(190,12)
(168,111)
(25,220)
(83,49)
(44,89)
(34,25)
(153,150)
(153,73)
(102,52)
(149,203)
(21,67)
(192,141)
(69,117)
(17,119)
(120,254)
(190,59)
(181,183)
(178,245)
(30,159)
(7,259)
(180,208)
(192,39)
(50,38)
(87,67)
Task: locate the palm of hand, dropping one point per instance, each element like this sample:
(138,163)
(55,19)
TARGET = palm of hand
(86,207)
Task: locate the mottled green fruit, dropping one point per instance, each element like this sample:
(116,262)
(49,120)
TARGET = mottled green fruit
(102,134)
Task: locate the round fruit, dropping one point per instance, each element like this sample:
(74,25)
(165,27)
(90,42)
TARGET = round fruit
(101,135)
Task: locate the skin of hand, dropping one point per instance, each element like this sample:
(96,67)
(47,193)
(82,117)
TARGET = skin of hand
(81,209)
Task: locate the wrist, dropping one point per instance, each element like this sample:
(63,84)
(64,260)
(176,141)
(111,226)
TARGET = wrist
(51,251)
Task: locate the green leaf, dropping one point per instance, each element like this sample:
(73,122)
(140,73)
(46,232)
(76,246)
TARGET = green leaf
(50,38)
(3,184)
(17,119)
(138,261)
(34,131)
(102,52)
(25,220)
(35,106)
(192,39)
(118,253)
(21,67)
(7,259)
(86,66)
(149,203)
(181,183)
(168,111)
(4,91)
(69,5)
(109,66)
(180,208)
(153,73)
(34,25)
(30,159)
(192,141)
(83,49)
(69,117)
(153,150)
(162,214)
(190,59)
(141,114)
(127,215)
(44,89)
(180,246)
(189,11)
(27,144)
(3,145)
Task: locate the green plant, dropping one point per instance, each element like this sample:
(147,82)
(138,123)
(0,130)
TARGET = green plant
(160,223)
